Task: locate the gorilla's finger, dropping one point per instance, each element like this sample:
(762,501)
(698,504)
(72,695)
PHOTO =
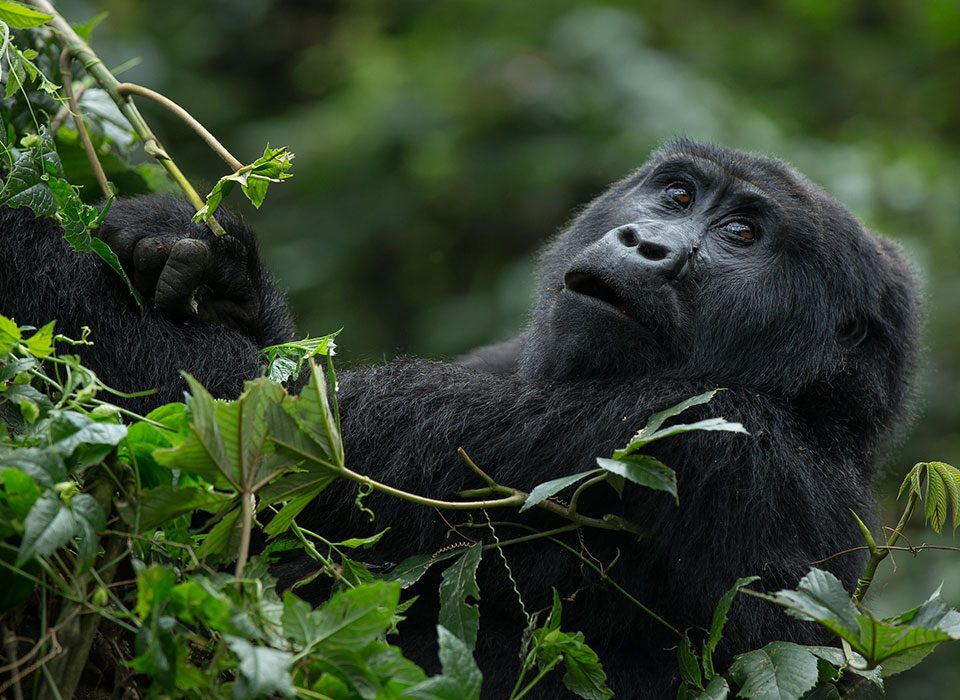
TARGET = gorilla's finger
(182,275)
(149,258)
(122,241)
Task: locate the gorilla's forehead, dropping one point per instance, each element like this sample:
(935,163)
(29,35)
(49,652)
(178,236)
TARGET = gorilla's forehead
(749,171)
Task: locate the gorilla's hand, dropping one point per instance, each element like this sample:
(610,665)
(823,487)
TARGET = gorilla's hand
(178,264)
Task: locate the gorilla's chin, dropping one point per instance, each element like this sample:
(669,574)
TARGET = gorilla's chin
(587,337)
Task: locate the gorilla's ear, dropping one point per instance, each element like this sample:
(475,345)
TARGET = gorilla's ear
(853,332)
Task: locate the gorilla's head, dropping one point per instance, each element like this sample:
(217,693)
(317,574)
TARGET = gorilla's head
(714,264)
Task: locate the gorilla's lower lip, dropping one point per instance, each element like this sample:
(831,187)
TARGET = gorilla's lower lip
(587,284)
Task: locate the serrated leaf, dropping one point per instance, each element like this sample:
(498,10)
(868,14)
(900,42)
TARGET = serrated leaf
(644,471)
(273,166)
(951,480)
(457,586)
(460,678)
(584,675)
(543,491)
(719,621)
(935,500)
(687,663)
(350,620)
(778,671)
(17,16)
(40,344)
(9,334)
(821,597)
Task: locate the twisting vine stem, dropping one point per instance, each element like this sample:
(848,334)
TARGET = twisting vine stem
(80,49)
(878,554)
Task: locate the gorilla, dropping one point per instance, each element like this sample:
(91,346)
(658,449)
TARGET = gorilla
(704,268)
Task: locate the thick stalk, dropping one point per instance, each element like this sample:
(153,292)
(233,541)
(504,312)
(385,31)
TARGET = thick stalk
(246,515)
(81,50)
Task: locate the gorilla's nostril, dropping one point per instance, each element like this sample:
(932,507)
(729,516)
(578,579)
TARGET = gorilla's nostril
(652,251)
(628,237)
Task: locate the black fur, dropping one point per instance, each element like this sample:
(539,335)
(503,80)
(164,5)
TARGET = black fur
(812,327)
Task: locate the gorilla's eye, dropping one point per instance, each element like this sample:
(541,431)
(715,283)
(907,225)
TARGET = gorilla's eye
(741,229)
(680,194)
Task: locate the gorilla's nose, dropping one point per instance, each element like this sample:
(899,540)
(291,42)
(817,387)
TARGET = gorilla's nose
(655,253)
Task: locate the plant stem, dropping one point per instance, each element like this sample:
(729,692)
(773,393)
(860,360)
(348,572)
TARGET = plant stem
(536,679)
(66,77)
(81,50)
(878,554)
(515,499)
(127,89)
(246,516)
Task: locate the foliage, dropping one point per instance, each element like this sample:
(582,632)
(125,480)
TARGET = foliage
(81,490)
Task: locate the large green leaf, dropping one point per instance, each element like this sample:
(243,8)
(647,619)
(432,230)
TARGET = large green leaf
(350,620)
(158,505)
(779,671)
(457,586)
(821,597)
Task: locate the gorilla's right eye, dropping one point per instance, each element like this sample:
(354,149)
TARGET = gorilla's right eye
(680,194)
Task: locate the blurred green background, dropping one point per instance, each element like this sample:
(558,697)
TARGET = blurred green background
(440,143)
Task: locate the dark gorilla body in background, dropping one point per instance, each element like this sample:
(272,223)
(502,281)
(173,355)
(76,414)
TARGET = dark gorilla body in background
(647,298)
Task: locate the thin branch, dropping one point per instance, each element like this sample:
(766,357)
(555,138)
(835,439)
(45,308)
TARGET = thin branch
(473,465)
(66,77)
(127,89)
(81,50)
(912,549)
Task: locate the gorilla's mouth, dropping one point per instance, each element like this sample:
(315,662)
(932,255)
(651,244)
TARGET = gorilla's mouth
(589,285)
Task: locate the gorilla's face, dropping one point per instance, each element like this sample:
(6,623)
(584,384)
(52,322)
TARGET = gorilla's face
(710,264)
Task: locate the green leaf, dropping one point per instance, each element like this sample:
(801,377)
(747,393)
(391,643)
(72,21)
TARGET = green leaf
(263,671)
(9,334)
(457,586)
(779,671)
(154,584)
(350,620)
(584,676)
(227,445)
(645,471)
(224,538)
(287,359)
(821,597)
(20,491)
(17,16)
(87,441)
(688,664)
(365,542)
(85,29)
(460,678)
(717,689)
(709,424)
(658,419)
(935,500)
(40,344)
(273,166)
(719,621)
(543,491)
(281,522)
(158,505)
(951,481)
(49,526)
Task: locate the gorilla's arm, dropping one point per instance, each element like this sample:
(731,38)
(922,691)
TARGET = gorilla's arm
(42,279)
(767,503)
